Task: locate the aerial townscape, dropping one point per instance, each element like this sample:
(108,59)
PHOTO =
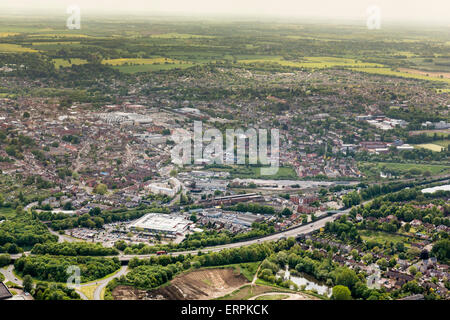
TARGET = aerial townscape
(96,204)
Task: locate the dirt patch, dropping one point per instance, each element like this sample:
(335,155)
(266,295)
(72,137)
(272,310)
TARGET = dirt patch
(426,73)
(196,285)
(250,292)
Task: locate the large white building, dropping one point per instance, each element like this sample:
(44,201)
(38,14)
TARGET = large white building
(169,188)
(159,223)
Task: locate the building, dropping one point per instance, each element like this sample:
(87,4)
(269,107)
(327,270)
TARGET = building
(4,292)
(158,223)
(169,188)
(235,199)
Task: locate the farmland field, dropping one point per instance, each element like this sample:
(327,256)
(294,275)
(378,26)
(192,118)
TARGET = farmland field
(65,63)
(390,72)
(313,62)
(7,47)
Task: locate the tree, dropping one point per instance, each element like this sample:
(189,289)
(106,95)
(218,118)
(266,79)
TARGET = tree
(346,277)
(19,210)
(341,293)
(286,212)
(5,259)
(413,270)
(27,283)
(101,189)
(441,250)
(382,263)
(424,254)
(67,206)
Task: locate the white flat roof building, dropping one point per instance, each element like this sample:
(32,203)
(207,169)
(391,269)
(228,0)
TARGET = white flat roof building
(161,223)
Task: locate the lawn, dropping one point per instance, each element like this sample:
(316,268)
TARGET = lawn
(430,146)
(442,143)
(88,291)
(382,237)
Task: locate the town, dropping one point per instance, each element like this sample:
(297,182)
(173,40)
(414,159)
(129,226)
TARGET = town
(357,208)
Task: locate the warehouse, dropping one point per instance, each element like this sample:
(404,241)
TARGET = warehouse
(157,223)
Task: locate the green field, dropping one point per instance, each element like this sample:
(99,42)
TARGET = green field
(139,61)
(7,212)
(151,67)
(442,143)
(175,35)
(14,48)
(382,237)
(313,62)
(65,63)
(372,169)
(284,173)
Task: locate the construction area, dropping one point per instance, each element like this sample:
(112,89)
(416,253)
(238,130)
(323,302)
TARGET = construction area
(203,284)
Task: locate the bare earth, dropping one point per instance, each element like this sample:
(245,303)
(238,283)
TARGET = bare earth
(424,73)
(196,285)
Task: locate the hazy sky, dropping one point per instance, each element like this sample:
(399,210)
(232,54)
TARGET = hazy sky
(412,10)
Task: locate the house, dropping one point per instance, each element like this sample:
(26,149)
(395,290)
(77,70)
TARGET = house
(400,277)
(4,292)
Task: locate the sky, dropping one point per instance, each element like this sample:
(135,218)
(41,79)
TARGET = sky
(391,10)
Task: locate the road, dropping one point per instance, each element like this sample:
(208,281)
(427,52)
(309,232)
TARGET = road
(9,275)
(30,205)
(101,284)
(104,283)
(64,238)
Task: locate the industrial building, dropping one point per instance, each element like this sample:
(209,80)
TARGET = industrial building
(158,223)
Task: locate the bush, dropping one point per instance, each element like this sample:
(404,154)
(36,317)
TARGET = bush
(341,293)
